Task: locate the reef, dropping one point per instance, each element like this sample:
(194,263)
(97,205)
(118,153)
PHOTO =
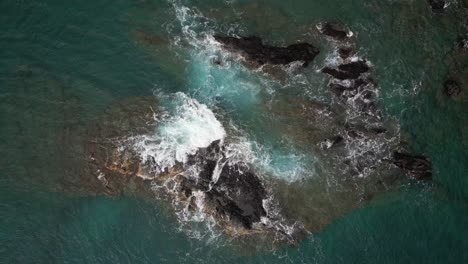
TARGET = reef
(352,84)
(232,193)
(209,183)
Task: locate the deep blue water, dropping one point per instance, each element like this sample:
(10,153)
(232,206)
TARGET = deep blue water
(62,64)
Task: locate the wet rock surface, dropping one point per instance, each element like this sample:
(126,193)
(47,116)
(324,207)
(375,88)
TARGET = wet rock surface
(356,91)
(259,53)
(350,70)
(334,30)
(232,192)
(209,182)
(418,166)
(236,192)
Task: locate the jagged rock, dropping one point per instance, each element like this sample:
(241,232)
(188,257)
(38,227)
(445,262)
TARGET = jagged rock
(255,51)
(359,66)
(452,88)
(341,75)
(437,5)
(348,71)
(237,193)
(418,166)
(345,52)
(331,142)
(334,30)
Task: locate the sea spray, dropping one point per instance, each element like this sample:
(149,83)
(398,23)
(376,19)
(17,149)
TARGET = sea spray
(184,127)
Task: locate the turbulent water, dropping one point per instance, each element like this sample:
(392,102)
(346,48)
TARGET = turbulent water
(74,72)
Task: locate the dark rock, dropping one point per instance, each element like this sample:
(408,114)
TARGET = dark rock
(378,130)
(437,5)
(357,67)
(452,88)
(237,193)
(418,166)
(333,141)
(259,53)
(348,71)
(345,52)
(340,75)
(334,30)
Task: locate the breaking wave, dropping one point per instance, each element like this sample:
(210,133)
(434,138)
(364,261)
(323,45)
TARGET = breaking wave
(185,125)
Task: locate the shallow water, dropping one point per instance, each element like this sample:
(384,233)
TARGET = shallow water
(63,64)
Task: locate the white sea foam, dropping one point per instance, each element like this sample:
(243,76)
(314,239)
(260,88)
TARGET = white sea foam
(185,126)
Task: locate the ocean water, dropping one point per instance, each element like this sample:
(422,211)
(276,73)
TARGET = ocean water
(63,64)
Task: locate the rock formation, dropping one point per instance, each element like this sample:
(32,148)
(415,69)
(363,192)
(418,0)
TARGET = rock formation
(418,166)
(209,182)
(334,30)
(254,50)
(351,83)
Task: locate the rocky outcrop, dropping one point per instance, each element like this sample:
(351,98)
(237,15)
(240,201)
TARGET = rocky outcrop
(334,30)
(351,70)
(233,190)
(208,183)
(417,166)
(254,50)
(352,84)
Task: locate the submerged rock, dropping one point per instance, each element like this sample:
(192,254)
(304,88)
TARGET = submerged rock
(418,166)
(452,88)
(334,30)
(253,49)
(437,5)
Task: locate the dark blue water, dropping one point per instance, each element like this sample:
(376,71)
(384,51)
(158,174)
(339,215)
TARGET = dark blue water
(62,64)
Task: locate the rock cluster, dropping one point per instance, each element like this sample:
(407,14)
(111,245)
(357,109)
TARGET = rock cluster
(352,84)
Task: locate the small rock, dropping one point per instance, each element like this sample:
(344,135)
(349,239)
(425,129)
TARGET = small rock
(345,52)
(359,67)
(348,71)
(331,142)
(334,30)
(452,88)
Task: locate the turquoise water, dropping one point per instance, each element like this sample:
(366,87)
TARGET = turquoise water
(62,64)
